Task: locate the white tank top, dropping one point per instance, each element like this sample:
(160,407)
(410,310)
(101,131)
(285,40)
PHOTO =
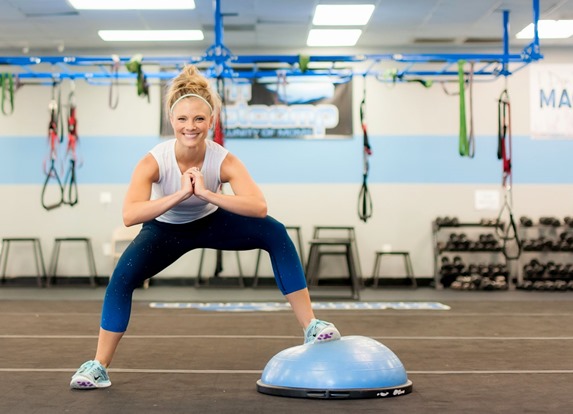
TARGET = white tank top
(170,181)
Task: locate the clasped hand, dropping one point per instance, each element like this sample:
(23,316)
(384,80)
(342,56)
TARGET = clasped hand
(192,182)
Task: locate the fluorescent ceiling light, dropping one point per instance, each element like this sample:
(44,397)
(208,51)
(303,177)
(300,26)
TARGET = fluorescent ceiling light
(132,4)
(342,15)
(548,29)
(340,37)
(150,35)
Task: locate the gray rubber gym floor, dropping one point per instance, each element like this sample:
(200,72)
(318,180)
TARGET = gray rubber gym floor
(492,352)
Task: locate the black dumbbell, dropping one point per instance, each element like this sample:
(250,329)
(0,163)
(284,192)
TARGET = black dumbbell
(500,283)
(549,221)
(526,285)
(538,285)
(560,285)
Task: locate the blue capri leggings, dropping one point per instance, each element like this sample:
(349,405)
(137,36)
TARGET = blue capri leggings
(159,244)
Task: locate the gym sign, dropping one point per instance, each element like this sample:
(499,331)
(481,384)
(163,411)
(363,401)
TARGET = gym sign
(551,101)
(297,108)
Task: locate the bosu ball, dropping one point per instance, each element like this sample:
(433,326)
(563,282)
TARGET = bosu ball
(352,367)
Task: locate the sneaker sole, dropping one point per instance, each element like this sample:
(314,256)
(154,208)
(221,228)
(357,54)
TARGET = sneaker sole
(328,334)
(83,383)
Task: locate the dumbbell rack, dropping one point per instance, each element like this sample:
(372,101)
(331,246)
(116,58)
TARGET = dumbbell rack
(442,249)
(542,246)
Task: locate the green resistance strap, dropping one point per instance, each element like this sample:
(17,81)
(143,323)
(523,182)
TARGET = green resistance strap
(134,66)
(397,77)
(464,147)
(7,93)
(303,61)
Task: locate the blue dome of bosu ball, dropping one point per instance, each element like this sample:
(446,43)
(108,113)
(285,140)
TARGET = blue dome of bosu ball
(352,367)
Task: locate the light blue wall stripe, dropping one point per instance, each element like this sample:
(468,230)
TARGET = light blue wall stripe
(403,159)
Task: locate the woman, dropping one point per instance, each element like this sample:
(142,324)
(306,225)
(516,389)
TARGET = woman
(174,192)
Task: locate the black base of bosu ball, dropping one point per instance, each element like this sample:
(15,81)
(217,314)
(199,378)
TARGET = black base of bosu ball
(352,367)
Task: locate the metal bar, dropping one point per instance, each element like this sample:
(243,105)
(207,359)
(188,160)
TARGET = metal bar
(223,62)
(505,60)
(218,23)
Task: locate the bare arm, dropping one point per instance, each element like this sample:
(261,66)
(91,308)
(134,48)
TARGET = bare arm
(247,200)
(138,206)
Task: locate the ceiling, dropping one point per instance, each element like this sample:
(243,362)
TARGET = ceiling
(53,27)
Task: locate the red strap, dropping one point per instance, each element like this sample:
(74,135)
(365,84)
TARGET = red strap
(506,146)
(72,132)
(219,136)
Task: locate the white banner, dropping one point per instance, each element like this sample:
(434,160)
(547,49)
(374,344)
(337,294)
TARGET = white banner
(551,100)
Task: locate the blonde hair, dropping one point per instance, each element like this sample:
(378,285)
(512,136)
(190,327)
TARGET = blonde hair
(191,82)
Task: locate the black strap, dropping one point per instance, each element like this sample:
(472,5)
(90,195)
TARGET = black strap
(508,235)
(52,172)
(70,182)
(364,199)
(70,191)
(114,84)
(511,243)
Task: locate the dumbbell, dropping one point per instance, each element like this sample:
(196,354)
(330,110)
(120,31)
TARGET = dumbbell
(486,284)
(488,222)
(525,285)
(458,263)
(560,285)
(527,245)
(553,269)
(533,245)
(447,221)
(549,285)
(456,241)
(539,285)
(462,283)
(526,221)
(500,283)
(549,221)
(539,268)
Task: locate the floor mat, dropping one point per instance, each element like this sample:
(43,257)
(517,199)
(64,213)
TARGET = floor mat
(282,306)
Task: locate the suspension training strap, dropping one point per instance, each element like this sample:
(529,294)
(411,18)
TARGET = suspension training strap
(134,66)
(7,93)
(70,181)
(114,84)
(510,233)
(219,138)
(503,118)
(52,171)
(219,133)
(364,198)
(463,138)
(471,135)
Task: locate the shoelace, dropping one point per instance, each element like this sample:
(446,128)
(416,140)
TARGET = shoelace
(92,366)
(313,329)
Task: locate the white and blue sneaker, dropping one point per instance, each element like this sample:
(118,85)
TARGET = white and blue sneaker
(90,375)
(320,331)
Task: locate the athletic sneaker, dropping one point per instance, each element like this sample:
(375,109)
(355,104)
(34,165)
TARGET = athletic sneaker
(319,331)
(90,375)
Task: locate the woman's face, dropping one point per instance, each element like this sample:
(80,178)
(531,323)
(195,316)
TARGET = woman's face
(191,119)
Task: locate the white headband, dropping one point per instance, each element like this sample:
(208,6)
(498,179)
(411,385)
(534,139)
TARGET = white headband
(189,95)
